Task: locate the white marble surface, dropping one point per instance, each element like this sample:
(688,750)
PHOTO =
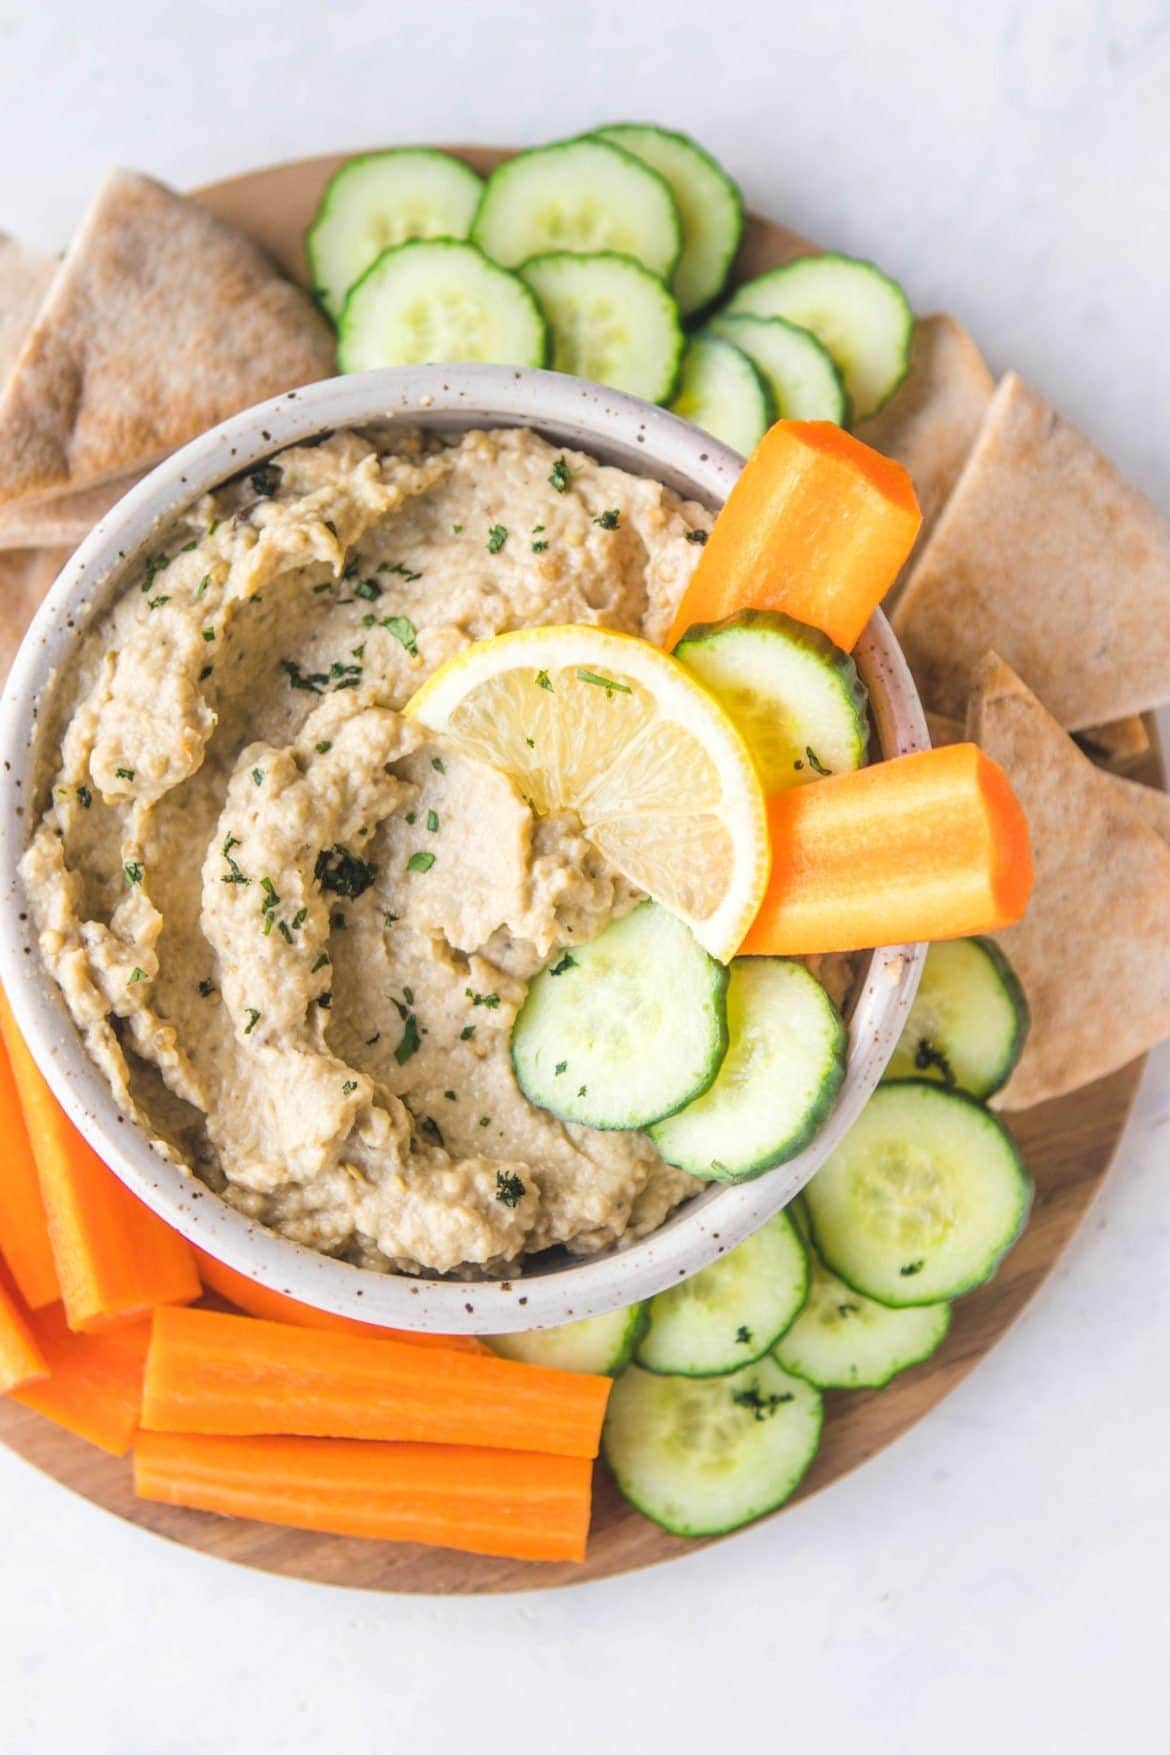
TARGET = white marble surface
(997,1579)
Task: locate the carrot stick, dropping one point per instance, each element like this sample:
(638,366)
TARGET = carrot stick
(518,1506)
(208,1372)
(95,1384)
(258,1300)
(24,1233)
(818,525)
(928,846)
(21,1359)
(115,1259)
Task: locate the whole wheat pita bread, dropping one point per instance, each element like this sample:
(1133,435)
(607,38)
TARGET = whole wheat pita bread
(1045,555)
(931,422)
(62,521)
(161,322)
(1118,740)
(25,578)
(25,278)
(1150,803)
(1093,949)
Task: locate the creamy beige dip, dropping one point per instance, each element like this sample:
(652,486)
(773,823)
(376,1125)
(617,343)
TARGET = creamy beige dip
(294,928)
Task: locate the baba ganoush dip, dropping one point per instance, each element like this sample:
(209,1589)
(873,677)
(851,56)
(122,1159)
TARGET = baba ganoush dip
(294,927)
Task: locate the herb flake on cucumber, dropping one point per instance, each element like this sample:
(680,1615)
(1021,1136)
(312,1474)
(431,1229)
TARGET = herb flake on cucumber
(969,1021)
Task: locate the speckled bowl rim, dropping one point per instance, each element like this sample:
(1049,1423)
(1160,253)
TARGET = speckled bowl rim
(617,429)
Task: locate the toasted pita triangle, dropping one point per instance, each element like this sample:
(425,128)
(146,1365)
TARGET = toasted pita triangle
(161,322)
(1045,555)
(62,521)
(25,278)
(1150,803)
(1093,949)
(25,578)
(931,422)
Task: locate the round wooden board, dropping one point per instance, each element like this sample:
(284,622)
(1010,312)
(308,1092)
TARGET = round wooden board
(1068,1145)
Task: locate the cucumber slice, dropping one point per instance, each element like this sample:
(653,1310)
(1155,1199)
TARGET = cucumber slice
(585,195)
(611,321)
(969,1021)
(859,313)
(601,1344)
(795,698)
(436,299)
(842,1340)
(922,1199)
(380,199)
(625,1029)
(721,391)
(702,1456)
(709,204)
(730,1313)
(804,382)
(777,1083)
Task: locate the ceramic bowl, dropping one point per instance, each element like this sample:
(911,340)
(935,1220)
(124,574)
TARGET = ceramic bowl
(616,429)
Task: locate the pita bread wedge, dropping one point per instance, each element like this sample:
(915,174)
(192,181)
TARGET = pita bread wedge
(161,322)
(1118,740)
(63,521)
(25,278)
(1045,555)
(25,578)
(931,422)
(944,731)
(1093,950)
(1150,803)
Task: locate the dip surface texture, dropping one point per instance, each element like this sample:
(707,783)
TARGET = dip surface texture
(294,928)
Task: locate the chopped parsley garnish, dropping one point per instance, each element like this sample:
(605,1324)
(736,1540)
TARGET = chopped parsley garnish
(404,572)
(322,960)
(133,871)
(344,873)
(543,681)
(330,526)
(911,1268)
(762,1406)
(156,602)
(411,816)
(567,961)
(420,862)
(403,630)
(155,564)
(359,651)
(369,589)
(299,918)
(350,568)
(285,931)
(203,584)
(388,919)
(560,1067)
(410,1042)
(433,821)
(814,761)
(437,764)
(313,682)
(926,1056)
(581,1090)
(609,519)
(531,742)
(271,899)
(209,634)
(743,1335)
(324,746)
(467,1032)
(85,797)
(253,1020)
(206,988)
(559,478)
(258,776)
(234,874)
(699,536)
(485,1121)
(265,480)
(603,682)
(408,995)
(538,548)
(138,975)
(369,620)
(497,537)
(346,676)
(125,773)
(490,1000)
(348,1086)
(509,1189)
(376,1037)
(456,529)
(188,546)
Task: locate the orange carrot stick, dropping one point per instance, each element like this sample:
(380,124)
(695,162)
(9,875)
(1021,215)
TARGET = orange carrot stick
(24,1233)
(94,1386)
(518,1506)
(207,1372)
(928,846)
(115,1259)
(818,525)
(21,1359)
(258,1300)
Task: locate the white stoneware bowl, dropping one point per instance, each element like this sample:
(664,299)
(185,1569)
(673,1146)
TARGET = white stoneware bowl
(616,429)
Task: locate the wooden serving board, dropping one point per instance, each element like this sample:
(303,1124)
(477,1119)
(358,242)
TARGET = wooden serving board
(1068,1145)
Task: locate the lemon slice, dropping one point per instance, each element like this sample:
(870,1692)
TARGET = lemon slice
(585,719)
